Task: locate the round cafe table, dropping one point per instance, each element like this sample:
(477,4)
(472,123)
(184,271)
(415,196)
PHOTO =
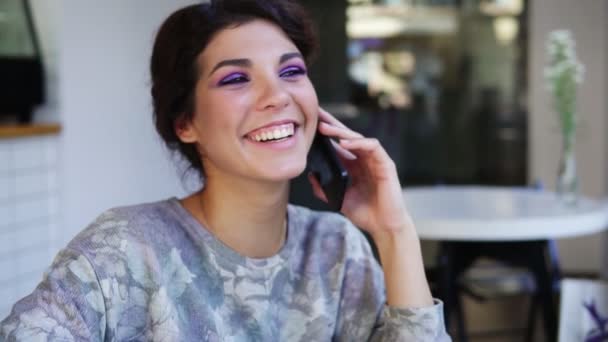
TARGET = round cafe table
(514,225)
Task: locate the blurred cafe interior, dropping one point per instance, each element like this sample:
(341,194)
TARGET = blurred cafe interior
(455,90)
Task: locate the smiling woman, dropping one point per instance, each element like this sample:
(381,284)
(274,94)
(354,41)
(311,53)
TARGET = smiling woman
(234,260)
(240,95)
(176,66)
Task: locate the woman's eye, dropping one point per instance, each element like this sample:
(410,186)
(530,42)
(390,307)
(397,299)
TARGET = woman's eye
(233,79)
(293,71)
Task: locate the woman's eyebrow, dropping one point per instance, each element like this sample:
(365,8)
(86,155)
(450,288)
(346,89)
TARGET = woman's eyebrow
(242,62)
(288,56)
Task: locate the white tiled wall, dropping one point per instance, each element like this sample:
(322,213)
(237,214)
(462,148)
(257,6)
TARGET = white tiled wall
(28,214)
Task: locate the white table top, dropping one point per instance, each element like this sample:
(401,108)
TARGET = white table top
(476,213)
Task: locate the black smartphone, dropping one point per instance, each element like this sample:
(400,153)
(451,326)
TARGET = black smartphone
(325,165)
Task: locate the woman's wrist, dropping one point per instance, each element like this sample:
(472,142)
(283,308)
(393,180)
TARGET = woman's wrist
(394,245)
(394,233)
(401,259)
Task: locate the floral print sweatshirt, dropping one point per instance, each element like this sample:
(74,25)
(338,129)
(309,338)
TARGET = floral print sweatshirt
(151,272)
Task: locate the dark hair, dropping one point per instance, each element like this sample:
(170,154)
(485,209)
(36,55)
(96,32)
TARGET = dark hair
(186,33)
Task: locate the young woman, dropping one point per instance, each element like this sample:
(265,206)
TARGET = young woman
(234,261)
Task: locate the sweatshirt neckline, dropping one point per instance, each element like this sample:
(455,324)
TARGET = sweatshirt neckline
(202,233)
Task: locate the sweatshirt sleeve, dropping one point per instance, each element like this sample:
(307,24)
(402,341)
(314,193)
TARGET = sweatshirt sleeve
(67,305)
(365,316)
(411,324)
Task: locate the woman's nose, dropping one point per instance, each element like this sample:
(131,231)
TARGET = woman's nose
(272,94)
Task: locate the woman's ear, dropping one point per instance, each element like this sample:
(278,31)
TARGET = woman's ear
(184,129)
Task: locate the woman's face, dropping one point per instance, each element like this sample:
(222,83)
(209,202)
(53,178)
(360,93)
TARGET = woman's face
(255,107)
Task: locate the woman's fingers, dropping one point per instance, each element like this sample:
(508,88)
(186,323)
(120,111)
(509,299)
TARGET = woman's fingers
(367,146)
(325,116)
(316,188)
(338,131)
(353,145)
(342,152)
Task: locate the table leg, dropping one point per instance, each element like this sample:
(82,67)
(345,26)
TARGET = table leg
(531,318)
(450,266)
(444,281)
(541,266)
(460,317)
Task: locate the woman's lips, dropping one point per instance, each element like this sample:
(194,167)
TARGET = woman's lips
(271,133)
(285,141)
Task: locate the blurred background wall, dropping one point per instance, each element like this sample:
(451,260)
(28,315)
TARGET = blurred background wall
(110,153)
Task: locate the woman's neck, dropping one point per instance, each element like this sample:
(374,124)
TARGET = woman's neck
(249,217)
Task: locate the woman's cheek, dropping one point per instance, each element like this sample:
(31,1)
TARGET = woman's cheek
(307,97)
(231,101)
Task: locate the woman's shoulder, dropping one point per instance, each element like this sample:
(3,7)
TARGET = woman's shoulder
(148,222)
(319,220)
(328,228)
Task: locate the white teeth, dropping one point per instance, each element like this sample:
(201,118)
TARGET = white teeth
(275,134)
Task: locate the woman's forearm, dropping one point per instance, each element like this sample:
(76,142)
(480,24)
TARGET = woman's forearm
(404,277)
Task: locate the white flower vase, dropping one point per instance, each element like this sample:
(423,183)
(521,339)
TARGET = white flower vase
(567,178)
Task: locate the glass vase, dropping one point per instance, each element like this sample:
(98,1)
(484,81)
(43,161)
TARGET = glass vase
(567,178)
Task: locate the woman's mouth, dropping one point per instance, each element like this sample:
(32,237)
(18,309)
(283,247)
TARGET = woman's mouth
(273,133)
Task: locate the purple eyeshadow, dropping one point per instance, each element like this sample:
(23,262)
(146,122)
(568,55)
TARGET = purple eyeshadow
(294,70)
(239,77)
(231,78)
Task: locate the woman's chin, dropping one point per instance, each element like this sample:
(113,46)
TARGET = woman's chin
(285,173)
